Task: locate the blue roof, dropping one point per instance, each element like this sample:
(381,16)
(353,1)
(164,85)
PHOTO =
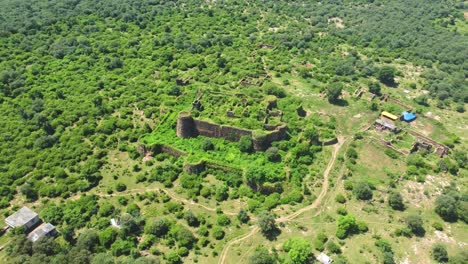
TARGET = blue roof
(408,116)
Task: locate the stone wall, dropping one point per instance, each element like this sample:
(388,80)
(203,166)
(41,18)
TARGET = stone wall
(158,148)
(197,168)
(187,126)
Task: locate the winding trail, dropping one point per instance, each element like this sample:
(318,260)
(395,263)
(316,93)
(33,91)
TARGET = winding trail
(156,189)
(315,204)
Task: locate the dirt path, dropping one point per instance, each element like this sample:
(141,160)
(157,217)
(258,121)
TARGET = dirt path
(170,194)
(324,186)
(222,259)
(315,204)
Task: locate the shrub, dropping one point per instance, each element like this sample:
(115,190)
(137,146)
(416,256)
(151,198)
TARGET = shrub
(396,201)
(245,144)
(415,224)
(363,191)
(438,226)
(120,187)
(207,145)
(340,198)
(446,207)
(439,253)
(223,220)
(218,232)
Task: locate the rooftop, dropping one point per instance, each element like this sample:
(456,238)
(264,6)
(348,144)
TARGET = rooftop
(41,231)
(21,217)
(389,115)
(324,259)
(408,116)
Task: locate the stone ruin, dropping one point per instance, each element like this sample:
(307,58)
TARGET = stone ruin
(187,126)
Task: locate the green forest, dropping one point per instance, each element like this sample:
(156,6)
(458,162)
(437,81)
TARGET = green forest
(84,85)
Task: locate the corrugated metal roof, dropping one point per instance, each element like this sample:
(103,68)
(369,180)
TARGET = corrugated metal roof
(389,115)
(21,217)
(41,231)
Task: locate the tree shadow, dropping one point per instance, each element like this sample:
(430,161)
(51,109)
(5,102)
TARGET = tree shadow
(273,234)
(340,102)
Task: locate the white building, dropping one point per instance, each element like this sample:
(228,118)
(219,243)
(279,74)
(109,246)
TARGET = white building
(24,217)
(324,259)
(44,230)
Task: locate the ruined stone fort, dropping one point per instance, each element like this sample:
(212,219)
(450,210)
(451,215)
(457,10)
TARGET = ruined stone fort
(187,126)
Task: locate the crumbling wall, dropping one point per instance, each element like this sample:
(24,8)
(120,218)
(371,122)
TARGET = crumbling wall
(197,168)
(234,133)
(187,126)
(207,129)
(159,148)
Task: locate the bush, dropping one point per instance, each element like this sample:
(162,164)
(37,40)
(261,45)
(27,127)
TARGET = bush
(218,232)
(207,145)
(245,144)
(438,226)
(341,211)
(340,198)
(446,207)
(333,248)
(363,191)
(439,253)
(120,187)
(415,224)
(223,220)
(396,201)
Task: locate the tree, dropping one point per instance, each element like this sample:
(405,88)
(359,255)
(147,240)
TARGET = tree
(207,145)
(439,253)
(255,176)
(446,207)
(415,224)
(223,220)
(159,227)
(107,237)
(102,258)
(182,235)
(272,154)
(221,193)
(88,240)
(334,92)
(347,225)
(386,75)
(28,190)
(121,247)
(52,214)
(243,216)
(266,222)
(173,258)
(261,256)
(218,232)
(312,135)
(46,246)
(191,218)
(120,187)
(133,210)
(395,200)
(375,88)
(245,144)
(299,250)
(363,191)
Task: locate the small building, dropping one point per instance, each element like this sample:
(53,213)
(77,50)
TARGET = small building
(44,230)
(381,125)
(408,116)
(324,259)
(389,115)
(441,151)
(24,217)
(115,223)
